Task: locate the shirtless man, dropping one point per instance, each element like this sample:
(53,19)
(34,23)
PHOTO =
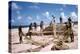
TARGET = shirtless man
(20,33)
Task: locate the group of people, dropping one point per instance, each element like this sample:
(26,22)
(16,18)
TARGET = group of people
(35,27)
(68,31)
(30,29)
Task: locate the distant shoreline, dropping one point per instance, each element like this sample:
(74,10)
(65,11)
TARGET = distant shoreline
(26,26)
(14,27)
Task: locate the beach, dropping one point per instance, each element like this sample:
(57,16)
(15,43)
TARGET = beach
(38,43)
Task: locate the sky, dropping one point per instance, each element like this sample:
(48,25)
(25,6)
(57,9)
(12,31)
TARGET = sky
(24,13)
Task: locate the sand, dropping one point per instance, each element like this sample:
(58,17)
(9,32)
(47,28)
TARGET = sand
(39,43)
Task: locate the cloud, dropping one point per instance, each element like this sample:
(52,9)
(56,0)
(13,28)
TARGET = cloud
(46,14)
(12,21)
(15,6)
(18,12)
(19,17)
(63,16)
(61,9)
(34,7)
(74,16)
(29,17)
(37,17)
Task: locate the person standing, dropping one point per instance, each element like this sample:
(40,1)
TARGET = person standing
(41,27)
(60,19)
(20,34)
(35,25)
(66,32)
(30,30)
(70,29)
(51,23)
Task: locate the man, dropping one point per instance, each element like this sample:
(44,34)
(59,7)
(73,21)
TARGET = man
(20,34)
(30,29)
(66,32)
(35,25)
(70,29)
(60,19)
(41,27)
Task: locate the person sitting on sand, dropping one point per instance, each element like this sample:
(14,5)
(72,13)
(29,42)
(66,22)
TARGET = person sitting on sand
(20,34)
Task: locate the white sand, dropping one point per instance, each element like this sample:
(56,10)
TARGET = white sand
(16,47)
